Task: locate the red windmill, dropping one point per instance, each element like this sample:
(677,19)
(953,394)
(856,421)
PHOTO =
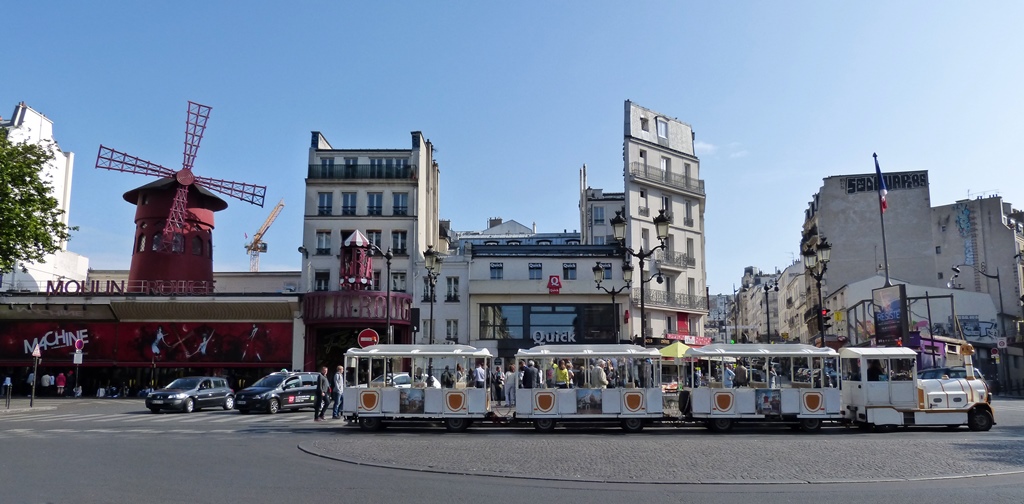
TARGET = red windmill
(173,246)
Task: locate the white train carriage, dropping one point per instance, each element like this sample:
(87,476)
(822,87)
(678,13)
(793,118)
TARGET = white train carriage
(606,383)
(403,383)
(794,384)
(881,390)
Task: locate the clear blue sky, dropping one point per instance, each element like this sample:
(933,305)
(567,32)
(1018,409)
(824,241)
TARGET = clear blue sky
(516,96)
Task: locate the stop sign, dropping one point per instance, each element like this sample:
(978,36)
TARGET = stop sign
(368,337)
(994,351)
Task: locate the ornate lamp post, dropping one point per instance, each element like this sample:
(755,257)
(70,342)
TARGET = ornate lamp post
(661,223)
(433,262)
(999,287)
(388,256)
(772,285)
(816,262)
(627,275)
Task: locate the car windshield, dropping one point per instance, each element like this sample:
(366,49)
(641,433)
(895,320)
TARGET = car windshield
(271,381)
(183,383)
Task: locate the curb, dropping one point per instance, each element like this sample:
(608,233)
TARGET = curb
(699,481)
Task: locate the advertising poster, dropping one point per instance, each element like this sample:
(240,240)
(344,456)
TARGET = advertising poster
(588,401)
(768,401)
(410,401)
(890,304)
(145,343)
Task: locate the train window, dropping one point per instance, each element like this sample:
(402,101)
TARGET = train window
(851,370)
(902,369)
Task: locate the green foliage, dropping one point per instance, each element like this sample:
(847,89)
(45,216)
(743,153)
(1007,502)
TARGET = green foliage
(30,218)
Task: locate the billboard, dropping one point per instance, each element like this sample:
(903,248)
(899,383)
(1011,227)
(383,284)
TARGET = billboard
(890,307)
(146,343)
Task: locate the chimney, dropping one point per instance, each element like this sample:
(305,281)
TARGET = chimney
(493,221)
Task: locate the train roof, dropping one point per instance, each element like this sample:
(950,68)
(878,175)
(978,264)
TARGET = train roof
(878,352)
(588,351)
(419,350)
(759,350)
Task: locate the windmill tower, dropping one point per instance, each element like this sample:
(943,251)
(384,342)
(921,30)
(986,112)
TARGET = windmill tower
(173,246)
(257,246)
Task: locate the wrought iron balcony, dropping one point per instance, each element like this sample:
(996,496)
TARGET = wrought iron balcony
(676,259)
(656,174)
(644,211)
(670,299)
(323,251)
(688,221)
(353,172)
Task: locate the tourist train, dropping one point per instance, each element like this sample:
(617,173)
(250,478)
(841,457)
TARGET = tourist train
(716,386)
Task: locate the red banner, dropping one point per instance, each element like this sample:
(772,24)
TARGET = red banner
(168,343)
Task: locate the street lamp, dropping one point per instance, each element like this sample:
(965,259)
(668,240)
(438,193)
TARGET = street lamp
(627,275)
(387,302)
(816,263)
(999,287)
(661,223)
(433,261)
(768,287)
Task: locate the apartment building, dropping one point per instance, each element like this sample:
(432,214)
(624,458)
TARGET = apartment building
(662,174)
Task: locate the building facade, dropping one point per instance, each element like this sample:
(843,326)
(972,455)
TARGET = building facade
(662,174)
(30,126)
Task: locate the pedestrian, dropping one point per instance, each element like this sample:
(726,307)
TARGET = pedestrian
(323,394)
(447,378)
(44,384)
(71,379)
(498,385)
(511,384)
(561,375)
(728,377)
(742,377)
(480,375)
(598,378)
(530,377)
(338,392)
(61,381)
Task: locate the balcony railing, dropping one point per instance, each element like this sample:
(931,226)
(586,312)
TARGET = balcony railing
(688,221)
(323,251)
(656,174)
(676,259)
(662,298)
(352,172)
(451,299)
(644,211)
(323,210)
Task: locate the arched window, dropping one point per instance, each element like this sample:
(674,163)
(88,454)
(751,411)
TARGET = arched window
(178,243)
(197,246)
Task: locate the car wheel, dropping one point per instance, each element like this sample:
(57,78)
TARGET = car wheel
(544,425)
(810,424)
(979,420)
(456,424)
(371,424)
(720,424)
(189,406)
(155,410)
(273,406)
(633,425)
(229,403)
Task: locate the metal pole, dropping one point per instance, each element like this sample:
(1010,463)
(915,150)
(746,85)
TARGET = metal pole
(387,302)
(433,325)
(643,306)
(767,316)
(35,368)
(821,309)
(881,216)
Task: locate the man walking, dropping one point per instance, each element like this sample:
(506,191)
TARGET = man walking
(339,389)
(323,391)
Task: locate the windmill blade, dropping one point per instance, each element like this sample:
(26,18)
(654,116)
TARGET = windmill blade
(111,159)
(195,125)
(246,192)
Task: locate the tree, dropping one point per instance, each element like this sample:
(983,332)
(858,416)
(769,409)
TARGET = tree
(30,218)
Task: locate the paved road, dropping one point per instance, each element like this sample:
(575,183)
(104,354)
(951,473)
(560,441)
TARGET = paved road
(670,454)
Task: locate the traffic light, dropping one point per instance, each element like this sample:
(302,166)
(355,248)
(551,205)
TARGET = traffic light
(826,317)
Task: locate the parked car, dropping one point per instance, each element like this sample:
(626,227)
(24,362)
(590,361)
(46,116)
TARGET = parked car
(192,393)
(398,380)
(278,391)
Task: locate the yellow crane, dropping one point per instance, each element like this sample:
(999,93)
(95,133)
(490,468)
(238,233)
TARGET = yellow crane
(257,246)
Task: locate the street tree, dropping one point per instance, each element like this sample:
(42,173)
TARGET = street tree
(30,217)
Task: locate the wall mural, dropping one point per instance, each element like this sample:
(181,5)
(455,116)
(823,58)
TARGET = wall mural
(963,224)
(137,343)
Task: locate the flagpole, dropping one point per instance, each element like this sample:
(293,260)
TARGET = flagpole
(881,216)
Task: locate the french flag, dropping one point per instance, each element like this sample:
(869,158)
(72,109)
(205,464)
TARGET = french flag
(882,190)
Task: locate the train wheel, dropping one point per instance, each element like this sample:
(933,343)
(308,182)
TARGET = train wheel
(885,428)
(720,424)
(979,420)
(371,424)
(810,424)
(633,425)
(544,424)
(456,424)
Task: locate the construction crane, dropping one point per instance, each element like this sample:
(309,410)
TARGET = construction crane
(257,246)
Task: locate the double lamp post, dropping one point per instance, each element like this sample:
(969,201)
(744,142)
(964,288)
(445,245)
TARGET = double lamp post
(816,262)
(433,262)
(661,223)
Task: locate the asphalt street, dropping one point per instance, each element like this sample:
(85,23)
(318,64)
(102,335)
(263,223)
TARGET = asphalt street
(115,451)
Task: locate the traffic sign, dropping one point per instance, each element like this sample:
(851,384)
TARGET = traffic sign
(36,352)
(1001,342)
(994,351)
(79,345)
(368,337)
